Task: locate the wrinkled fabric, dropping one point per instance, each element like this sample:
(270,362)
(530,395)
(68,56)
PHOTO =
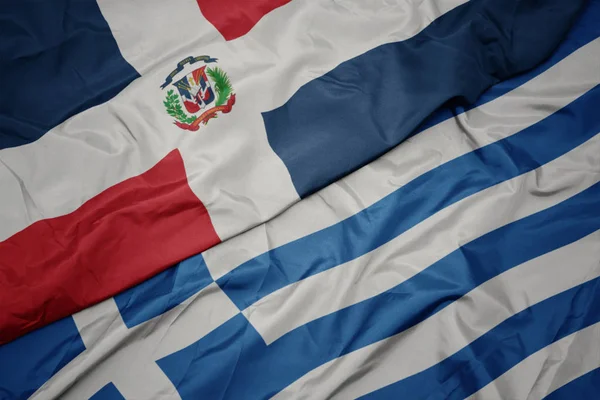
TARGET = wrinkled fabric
(462,263)
(109,128)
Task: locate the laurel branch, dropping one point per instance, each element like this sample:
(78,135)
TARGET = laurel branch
(175,109)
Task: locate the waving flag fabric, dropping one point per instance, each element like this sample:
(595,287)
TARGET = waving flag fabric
(150,158)
(360,199)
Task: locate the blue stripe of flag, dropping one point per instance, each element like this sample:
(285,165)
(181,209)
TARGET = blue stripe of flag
(29,361)
(414,202)
(234,362)
(503,347)
(164,291)
(585,387)
(585,29)
(367,105)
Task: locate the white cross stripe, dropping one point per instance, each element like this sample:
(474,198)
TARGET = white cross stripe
(126,357)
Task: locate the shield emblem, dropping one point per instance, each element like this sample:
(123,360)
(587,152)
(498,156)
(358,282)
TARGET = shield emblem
(201,95)
(195,90)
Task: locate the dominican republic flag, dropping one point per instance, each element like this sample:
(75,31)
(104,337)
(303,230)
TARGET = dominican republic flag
(294,199)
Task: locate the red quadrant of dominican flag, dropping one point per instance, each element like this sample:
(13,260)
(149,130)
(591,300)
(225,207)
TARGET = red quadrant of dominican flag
(53,268)
(235,18)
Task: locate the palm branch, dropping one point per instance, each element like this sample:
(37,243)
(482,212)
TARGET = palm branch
(222,84)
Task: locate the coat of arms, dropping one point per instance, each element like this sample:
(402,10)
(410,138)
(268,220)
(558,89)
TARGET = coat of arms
(197,96)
